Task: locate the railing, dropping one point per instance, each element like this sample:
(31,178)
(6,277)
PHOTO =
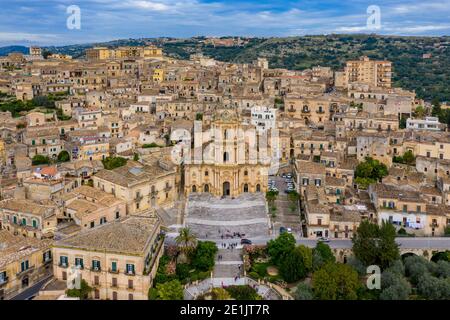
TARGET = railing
(113,271)
(30,269)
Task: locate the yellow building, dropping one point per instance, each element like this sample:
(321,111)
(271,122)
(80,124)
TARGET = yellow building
(141,186)
(375,73)
(23,263)
(158,75)
(103,53)
(118,260)
(28,218)
(231,162)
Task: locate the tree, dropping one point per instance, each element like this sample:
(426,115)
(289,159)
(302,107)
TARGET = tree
(204,256)
(63,156)
(40,159)
(388,250)
(321,255)
(271,196)
(199,116)
(82,293)
(220,294)
(297,264)
(171,290)
(375,245)
(111,163)
(443,269)
(303,292)
(335,281)
(433,288)
(447,231)
(400,290)
(371,169)
(187,242)
(415,267)
(243,293)
(136,157)
(408,158)
(280,247)
(420,112)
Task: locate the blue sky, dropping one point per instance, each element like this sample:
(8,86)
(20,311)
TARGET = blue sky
(43,22)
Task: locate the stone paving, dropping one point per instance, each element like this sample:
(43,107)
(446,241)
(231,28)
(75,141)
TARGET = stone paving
(220,218)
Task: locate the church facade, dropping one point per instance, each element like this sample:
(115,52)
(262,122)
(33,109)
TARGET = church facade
(229,159)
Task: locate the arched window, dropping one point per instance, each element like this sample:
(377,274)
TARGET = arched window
(206,188)
(194,189)
(206,173)
(258,188)
(245,173)
(226,157)
(245,187)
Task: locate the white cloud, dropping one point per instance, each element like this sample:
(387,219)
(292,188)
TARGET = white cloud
(147,5)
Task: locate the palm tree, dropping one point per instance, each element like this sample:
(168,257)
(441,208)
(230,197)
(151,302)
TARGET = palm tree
(187,241)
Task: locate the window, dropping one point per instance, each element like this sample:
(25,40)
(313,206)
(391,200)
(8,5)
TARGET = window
(405,208)
(206,188)
(47,256)
(96,265)
(130,284)
(245,173)
(3,277)
(24,266)
(194,189)
(114,294)
(114,266)
(24,221)
(117,215)
(35,224)
(130,296)
(92,224)
(206,173)
(258,188)
(96,280)
(63,261)
(319,222)
(305,181)
(226,157)
(130,268)
(79,262)
(419,208)
(245,187)
(317,182)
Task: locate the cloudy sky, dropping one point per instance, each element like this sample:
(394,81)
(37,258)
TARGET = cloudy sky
(44,22)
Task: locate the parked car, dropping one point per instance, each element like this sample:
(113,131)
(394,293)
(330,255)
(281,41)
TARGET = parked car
(323,239)
(246,241)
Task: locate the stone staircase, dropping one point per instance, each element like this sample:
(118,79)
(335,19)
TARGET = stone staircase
(230,265)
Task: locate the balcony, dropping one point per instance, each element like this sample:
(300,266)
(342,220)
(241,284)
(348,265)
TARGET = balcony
(291,110)
(434,225)
(113,271)
(320,111)
(63,265)
(130,273)
(24,272)
(306,111)
(96,269)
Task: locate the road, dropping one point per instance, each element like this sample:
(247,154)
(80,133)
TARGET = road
(31,291)
(405,243)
